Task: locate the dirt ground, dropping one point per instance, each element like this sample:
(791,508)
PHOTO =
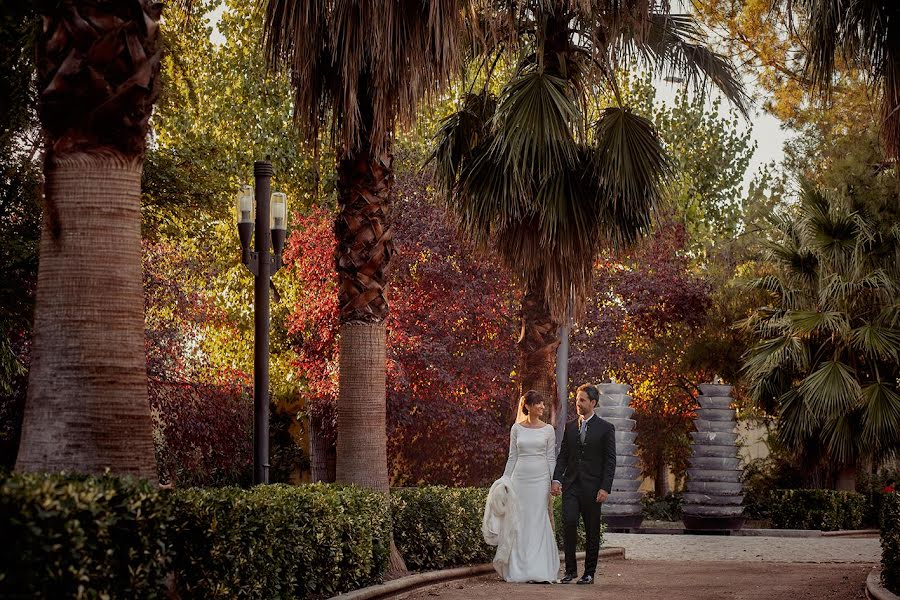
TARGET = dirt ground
(671,580)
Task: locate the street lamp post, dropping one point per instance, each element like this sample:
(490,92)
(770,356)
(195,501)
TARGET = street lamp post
(259,209)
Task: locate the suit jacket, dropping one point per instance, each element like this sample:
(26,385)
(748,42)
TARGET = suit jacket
(593,462)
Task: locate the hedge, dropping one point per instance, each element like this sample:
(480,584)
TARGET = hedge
(826,510)
(77,537)
(890,541)
(108,537)
(85,537)
(279,541)
(438,527)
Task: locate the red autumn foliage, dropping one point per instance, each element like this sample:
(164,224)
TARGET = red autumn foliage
(646,306)
(451,335)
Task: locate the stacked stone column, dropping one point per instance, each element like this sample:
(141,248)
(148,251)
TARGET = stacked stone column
(712,500)
(623,509)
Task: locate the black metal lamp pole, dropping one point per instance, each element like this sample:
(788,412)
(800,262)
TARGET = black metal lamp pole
(263,264)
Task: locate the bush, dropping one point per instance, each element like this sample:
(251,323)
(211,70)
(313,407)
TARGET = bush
(279,541)
(68,537)
(890,542)
(438,527)
(827,510)
(665,509)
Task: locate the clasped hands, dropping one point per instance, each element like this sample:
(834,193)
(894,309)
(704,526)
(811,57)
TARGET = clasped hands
(556,490)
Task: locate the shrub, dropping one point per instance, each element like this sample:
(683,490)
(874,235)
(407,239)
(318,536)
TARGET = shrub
(890,542)
(279,541)
(827,510)
(438,527)
(68,537)
(664,509)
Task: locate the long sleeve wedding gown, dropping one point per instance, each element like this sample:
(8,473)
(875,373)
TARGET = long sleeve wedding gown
(532,457)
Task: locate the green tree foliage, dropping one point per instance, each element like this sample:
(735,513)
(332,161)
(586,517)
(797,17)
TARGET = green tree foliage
(828,351)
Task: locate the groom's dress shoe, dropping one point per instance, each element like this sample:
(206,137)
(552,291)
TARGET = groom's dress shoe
(585,580)
(569,578)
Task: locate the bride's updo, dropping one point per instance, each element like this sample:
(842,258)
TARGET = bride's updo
(530,398)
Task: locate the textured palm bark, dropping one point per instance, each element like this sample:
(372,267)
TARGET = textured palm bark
(537,344)
(364,236)
(362,257)
(87,407)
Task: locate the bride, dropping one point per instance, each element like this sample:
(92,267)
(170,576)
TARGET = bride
(532,552)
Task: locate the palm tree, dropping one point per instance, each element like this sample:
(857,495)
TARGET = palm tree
(548,173)
(87,408)
(828,352)
(864,34)
(367,66)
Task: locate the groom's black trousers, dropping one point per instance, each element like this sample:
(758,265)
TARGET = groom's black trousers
(580,503)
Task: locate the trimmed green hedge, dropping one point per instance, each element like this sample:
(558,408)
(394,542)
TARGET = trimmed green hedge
(827,510)
(82,537)
(74,537)
(110,537)
(438,527)
(890,541)
(279,541)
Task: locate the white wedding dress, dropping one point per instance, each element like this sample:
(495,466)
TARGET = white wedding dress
(534,555)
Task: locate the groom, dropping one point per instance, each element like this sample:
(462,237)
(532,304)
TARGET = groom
(586,466)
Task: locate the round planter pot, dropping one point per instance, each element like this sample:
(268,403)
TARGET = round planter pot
(714,488)
(615,412)
(710,450)
(714,426)
(715,462)
(711,500)
(722,475)
(715,414)
(711,389)
(713,438)
(720,402)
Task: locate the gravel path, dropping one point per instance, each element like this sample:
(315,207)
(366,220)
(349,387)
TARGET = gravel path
(750,548)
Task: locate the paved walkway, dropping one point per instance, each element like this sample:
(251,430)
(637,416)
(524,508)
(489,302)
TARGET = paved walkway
(749,548)
(700,567)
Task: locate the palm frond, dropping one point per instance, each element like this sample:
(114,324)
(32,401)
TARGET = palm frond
(458,136)
(630,165)
(796,422)
(877,341)
(805,322)
(841,437)
(366,65)
(881,420)
(533,126)
(830,390)
(674,44)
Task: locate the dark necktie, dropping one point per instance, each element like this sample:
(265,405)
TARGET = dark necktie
(582,429)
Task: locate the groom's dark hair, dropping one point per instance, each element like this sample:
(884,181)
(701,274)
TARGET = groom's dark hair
(592,392)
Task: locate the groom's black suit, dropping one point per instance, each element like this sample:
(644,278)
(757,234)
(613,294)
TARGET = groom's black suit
(584,468)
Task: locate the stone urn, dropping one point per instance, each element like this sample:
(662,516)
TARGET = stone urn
(713,496)
(623,509)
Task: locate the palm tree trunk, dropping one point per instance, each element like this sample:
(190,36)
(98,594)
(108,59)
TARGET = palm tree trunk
(321,453)
(87,408)
(537,344)
(364,249)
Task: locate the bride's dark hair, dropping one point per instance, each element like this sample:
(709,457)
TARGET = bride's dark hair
(530,398)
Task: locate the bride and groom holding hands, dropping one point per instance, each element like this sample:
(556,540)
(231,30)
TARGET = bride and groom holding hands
(516,516)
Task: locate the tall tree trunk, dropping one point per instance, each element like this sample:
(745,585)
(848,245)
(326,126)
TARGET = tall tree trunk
(537,344)
(661,480)
(321,453)
(87,408)
(364,249)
